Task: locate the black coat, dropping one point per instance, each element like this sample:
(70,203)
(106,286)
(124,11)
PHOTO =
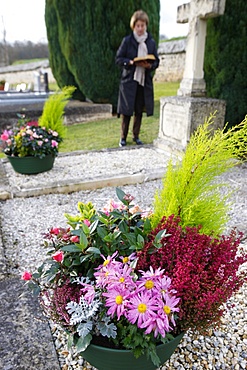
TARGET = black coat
(128,86)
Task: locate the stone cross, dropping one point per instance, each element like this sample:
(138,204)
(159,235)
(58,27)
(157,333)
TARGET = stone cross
(196,13)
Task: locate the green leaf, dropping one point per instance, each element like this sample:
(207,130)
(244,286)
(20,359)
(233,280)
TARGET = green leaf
(101,232)
(66,262)
(83,240)
(154,357)
(167,338)
(70,341)
(161,234)
(120,194)
(35,288)
(140,239)
(83,343)
(117,215)
(85,228)
(84,258)
(147,226)
(123,227)
(93,250)
(71,248)
(110,238)
(131,238)
(103,218)
(76,232)
(93,226)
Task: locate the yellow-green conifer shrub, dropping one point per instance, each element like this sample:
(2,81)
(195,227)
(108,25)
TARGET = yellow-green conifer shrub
(53,111)
(191,189)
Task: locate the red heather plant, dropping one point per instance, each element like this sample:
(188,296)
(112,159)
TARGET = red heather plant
(55,301)
(204,269)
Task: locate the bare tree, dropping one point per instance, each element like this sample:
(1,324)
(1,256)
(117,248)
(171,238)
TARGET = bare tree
(4,56)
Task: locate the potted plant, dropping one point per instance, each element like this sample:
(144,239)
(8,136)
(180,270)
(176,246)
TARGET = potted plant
(123,282)
(31,146)
(2,84)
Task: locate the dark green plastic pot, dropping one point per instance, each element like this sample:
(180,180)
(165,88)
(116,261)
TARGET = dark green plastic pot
(32,165)
(113,359)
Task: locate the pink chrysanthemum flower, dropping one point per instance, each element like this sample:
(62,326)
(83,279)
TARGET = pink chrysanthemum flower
(108,260)
(120,276)
(107,273)
(150,280)
(128,259)
(168,308)
(88,292)
(164,285)
(142,306)
(157,325)
(116,300)
(151,273)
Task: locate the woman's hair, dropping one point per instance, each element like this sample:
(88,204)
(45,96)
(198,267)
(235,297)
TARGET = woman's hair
(139,15)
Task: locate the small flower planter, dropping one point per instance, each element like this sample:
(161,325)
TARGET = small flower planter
(32,165)
(111,359)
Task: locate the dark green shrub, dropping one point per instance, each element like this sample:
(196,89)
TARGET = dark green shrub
(226,59)
(84,37)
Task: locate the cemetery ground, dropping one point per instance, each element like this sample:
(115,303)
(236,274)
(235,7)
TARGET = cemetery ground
(28,341)
(106,133)
(99,134)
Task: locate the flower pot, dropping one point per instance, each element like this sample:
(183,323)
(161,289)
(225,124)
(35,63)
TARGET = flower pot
(111,359)
(32,165)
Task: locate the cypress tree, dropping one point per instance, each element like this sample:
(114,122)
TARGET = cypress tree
(225,63)
(57,60)
(88,36)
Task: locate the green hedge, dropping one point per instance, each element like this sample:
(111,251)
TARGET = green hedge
(226,59)
(83,40)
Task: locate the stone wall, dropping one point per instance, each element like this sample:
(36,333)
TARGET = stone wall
(25,73)
(172,60)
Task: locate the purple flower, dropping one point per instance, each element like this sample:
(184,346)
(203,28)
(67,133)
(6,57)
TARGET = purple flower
(169,307)
(116,300)
(141,306)
(157,325)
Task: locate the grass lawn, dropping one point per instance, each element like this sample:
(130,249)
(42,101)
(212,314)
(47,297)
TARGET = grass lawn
(105,133)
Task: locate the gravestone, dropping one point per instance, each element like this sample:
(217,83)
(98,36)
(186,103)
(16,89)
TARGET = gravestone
(180,115)
(41,82)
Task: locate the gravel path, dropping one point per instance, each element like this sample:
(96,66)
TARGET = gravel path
(24,220)
(86,166)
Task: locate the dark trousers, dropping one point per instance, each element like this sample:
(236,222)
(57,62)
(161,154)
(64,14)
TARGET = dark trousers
(139,107)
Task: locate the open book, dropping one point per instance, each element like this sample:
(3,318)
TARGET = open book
(148,58)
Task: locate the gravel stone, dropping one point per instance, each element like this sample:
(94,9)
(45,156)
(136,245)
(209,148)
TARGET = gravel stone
(23,222)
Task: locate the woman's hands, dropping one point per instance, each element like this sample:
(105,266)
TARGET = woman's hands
(143,64)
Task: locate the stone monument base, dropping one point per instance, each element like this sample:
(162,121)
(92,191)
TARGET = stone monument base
(180,117)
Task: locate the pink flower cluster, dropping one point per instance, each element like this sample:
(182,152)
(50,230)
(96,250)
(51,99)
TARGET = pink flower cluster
(146,300)
(111,206)
(5,135)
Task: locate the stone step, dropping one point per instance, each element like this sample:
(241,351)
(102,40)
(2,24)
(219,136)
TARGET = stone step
(26,339)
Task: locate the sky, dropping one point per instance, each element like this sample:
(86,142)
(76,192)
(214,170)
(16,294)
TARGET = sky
(23,20)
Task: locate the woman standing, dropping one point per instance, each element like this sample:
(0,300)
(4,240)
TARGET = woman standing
(136,85)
